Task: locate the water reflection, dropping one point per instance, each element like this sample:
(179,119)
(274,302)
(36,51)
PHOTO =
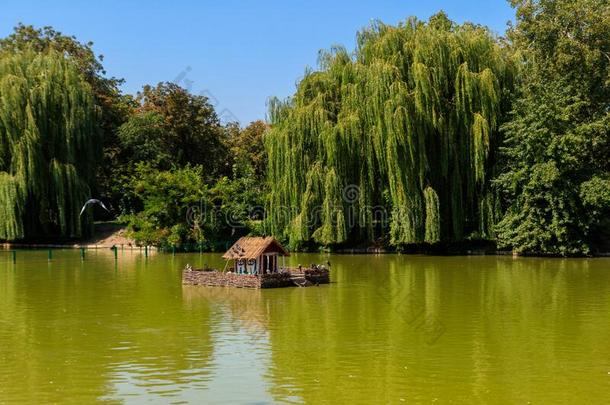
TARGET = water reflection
(240,341)
(525,330)
(83,330)
(515,330)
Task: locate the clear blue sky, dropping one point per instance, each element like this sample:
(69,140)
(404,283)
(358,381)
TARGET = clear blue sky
(238,52)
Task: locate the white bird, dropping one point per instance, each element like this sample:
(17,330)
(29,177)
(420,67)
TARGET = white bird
(93,201)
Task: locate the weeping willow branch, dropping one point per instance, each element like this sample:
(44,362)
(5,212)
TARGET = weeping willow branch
(49,145)
(411,118)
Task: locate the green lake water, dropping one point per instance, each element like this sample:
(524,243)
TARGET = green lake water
(389,329)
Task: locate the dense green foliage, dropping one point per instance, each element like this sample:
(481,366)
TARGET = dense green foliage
(429,132)
(180,208)
(175,156)
(49,144)
(168,128)
(248,149)
(189,129)
(557,155)
(162,150)
(166,197)
(27,38)
(114,107)
(411,120)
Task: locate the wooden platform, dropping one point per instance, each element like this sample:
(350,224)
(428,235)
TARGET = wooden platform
(286,278)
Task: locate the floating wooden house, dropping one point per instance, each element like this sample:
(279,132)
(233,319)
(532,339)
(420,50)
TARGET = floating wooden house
(254,262)
(251,255)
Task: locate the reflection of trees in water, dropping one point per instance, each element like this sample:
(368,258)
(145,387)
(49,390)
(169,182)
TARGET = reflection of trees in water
(515,330)
(512,327)
(85,330)
(536,323)
(341,340)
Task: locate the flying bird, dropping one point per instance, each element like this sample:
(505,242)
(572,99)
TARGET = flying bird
(93,201)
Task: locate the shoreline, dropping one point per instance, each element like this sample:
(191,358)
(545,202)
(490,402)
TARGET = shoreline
(33,246)
(352,251)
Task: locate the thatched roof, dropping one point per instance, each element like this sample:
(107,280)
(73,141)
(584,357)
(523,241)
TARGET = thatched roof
(252,247)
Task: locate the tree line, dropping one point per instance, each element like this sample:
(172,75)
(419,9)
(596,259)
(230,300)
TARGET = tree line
(458,134)
(68,133)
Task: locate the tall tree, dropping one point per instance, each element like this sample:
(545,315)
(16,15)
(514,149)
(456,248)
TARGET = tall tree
(409,123)
(169,129)
(114,106)
(142,139)
(248,150)
(49,144)
(557,176)
(179,124)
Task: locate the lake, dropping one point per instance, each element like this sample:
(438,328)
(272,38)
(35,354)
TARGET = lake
(389,329)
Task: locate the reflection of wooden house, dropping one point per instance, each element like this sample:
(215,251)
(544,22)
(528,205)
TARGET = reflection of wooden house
(256,255)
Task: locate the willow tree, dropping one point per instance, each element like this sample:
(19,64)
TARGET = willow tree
(49,144)
(408,124)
